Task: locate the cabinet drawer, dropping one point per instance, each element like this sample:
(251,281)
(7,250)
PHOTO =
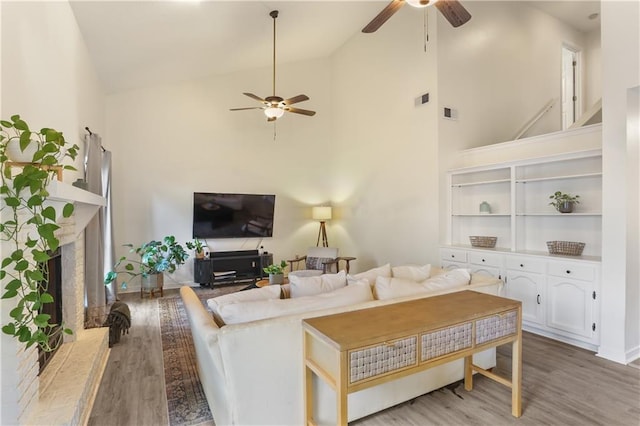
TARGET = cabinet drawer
(485,259)
(528,264)
(446,341)
(380,359)
(453,255)
(496,327)
(572,270)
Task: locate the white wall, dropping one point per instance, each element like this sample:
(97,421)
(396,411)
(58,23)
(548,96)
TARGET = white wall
(48,79)
(499,70)
(621,72)
(385,148)
(171,141)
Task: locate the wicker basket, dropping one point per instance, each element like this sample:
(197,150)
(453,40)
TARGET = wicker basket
(479,241)
(568,248)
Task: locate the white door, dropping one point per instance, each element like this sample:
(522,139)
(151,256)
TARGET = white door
(570,86)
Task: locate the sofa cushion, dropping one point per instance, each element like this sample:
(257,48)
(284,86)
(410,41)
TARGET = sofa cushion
(310,286)
(449,279)
(241,312)
(412,272)
(372,274)
(391,288)
(263,293)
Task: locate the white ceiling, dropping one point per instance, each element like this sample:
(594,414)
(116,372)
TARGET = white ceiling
(141,43)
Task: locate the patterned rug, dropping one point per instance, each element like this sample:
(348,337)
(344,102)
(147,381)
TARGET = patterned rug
(185,397)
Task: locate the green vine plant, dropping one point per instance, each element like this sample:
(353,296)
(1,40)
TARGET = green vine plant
(27,230)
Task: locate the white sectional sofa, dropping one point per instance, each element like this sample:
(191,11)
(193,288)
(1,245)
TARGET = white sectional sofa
(251,372)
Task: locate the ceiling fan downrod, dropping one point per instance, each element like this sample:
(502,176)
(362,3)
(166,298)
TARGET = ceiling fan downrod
(274,15)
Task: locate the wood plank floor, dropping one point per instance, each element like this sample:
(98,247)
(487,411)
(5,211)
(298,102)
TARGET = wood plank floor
(562,385)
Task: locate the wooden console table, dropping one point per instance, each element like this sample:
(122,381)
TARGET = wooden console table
(356,350)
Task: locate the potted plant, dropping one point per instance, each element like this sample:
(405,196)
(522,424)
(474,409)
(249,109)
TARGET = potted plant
(198,247)
(276,272)
(563,202)
(155,257)
(29,226)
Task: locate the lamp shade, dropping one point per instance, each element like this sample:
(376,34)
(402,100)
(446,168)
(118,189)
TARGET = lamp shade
(321,213)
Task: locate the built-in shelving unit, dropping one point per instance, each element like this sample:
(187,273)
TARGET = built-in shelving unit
(560,294)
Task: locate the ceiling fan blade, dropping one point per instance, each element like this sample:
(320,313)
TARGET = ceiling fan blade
(383,16)
(257,98)
(295,99)
(269,119)
(453,12)
(300,111)
(242,109)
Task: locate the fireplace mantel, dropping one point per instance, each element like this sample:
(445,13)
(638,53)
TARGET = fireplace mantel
(86,203)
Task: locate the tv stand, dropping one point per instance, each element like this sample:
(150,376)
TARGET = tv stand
(231,266)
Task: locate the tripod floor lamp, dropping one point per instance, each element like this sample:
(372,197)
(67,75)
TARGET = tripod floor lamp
(322,213)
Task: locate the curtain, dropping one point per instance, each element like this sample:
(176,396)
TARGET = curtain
(98,247)
(107,226)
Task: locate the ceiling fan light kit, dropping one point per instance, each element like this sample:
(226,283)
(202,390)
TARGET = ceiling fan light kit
(452,10)
(418,3)
(274,106)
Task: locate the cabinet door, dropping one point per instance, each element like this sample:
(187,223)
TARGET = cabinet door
(570,307)
(529,289)
(447,265)
(486,271)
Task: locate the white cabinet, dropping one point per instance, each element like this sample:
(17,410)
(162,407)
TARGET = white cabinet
(525,281)
(485,263)
(572,303)
(560,296)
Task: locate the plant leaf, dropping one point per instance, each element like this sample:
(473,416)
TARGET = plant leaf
(9,329)
(67,211)
(49,213)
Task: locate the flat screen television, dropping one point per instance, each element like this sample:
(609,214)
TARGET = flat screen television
(219,215)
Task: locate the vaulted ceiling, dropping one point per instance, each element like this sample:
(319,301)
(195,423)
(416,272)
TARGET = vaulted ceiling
(140,43)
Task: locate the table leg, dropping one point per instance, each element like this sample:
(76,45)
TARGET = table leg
(308,396)
(516,376)
(468,373)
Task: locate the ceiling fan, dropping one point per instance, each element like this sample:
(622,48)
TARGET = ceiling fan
(274,106)
(452,10)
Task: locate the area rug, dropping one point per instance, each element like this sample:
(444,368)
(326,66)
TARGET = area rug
(185,397)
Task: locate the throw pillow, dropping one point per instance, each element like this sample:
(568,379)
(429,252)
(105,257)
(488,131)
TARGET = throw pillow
(236,313)
(391,288)
(310,286)
(372,274)
(317,262)
(412,272)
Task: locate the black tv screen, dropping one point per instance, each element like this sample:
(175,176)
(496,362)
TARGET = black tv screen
(218,215)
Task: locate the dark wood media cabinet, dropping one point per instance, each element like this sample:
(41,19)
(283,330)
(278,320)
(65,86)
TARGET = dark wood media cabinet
(231,266)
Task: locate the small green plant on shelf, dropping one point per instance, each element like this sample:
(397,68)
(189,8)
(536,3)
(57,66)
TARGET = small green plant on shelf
(28,228)
(563,202)
(197,246)
(275,269)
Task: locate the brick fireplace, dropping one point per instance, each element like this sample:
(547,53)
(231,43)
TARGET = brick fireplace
(64,392)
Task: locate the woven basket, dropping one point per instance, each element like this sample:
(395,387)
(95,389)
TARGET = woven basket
(568,248)
(478,241)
